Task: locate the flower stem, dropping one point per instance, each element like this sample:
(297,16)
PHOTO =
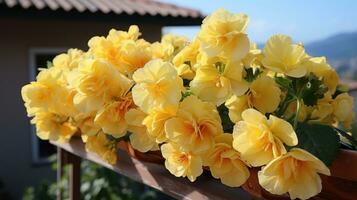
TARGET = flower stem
(284,106)
(298,107)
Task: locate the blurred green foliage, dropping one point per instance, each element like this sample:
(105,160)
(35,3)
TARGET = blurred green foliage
(97,183)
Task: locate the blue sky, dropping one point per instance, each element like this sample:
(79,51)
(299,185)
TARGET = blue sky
(303,20)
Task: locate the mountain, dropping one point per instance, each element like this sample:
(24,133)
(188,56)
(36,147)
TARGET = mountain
(338,47)
(340,51)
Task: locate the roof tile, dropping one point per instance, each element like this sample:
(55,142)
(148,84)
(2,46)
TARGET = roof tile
(53,5)
(141,7)
(25,3)
(77,5)
(39,4)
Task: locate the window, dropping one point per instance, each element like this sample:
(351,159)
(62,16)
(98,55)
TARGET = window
(38,58)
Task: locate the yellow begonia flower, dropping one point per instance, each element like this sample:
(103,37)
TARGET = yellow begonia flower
(48,94)
(195,126)
(101,48)
(155,123)
(295,172)
(68,60)
(162,51)
(236,105)
(37,97)
(217,81)
(169,46)
(225,164)
(117,37)
(157,86)
(134,55)
(323,111)
(107,48)
(178,42)
(181,163)
(343,109)
(185,60)
(254,57)
(260,140)
(223,34)
(50,126)
(264,94)
(85,123)
(111,117)
(103,147)
(139,137)
(319,67)
(96,83)
(281,56)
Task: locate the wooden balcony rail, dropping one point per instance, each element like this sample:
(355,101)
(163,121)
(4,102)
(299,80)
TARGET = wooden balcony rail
(153,175)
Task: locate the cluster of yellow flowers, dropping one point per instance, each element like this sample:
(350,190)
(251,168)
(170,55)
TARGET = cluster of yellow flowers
(217,102)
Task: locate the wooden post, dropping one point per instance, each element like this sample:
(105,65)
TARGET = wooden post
(60,165)
(74,162)
(74,177)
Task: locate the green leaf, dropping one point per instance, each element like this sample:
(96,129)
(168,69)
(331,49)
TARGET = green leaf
(354,130)
(283,82)
(251,74)
(220,66)
(313,90)
(286,84)
(352,142)
(185,94)
(320,140)
(226,121)
(49,64)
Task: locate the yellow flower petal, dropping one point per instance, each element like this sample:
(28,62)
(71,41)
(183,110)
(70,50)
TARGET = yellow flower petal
(283,130)
(157,86)
(254,117)
(281,56)
(224,162)
(103,147)
(264,94)
(343,109)
(111,117)
(236,105)
(140,139)
(295,172)
(195,126)
(259,140)
(51,126)
(181,163)
(218,80)
(223,33)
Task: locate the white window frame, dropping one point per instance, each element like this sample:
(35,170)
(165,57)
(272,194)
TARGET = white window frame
(35,151)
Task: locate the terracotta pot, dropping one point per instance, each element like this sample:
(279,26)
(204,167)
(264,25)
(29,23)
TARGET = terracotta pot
(342,184)
(151,156)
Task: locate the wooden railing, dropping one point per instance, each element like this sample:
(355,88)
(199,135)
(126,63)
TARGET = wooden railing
(153,175)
